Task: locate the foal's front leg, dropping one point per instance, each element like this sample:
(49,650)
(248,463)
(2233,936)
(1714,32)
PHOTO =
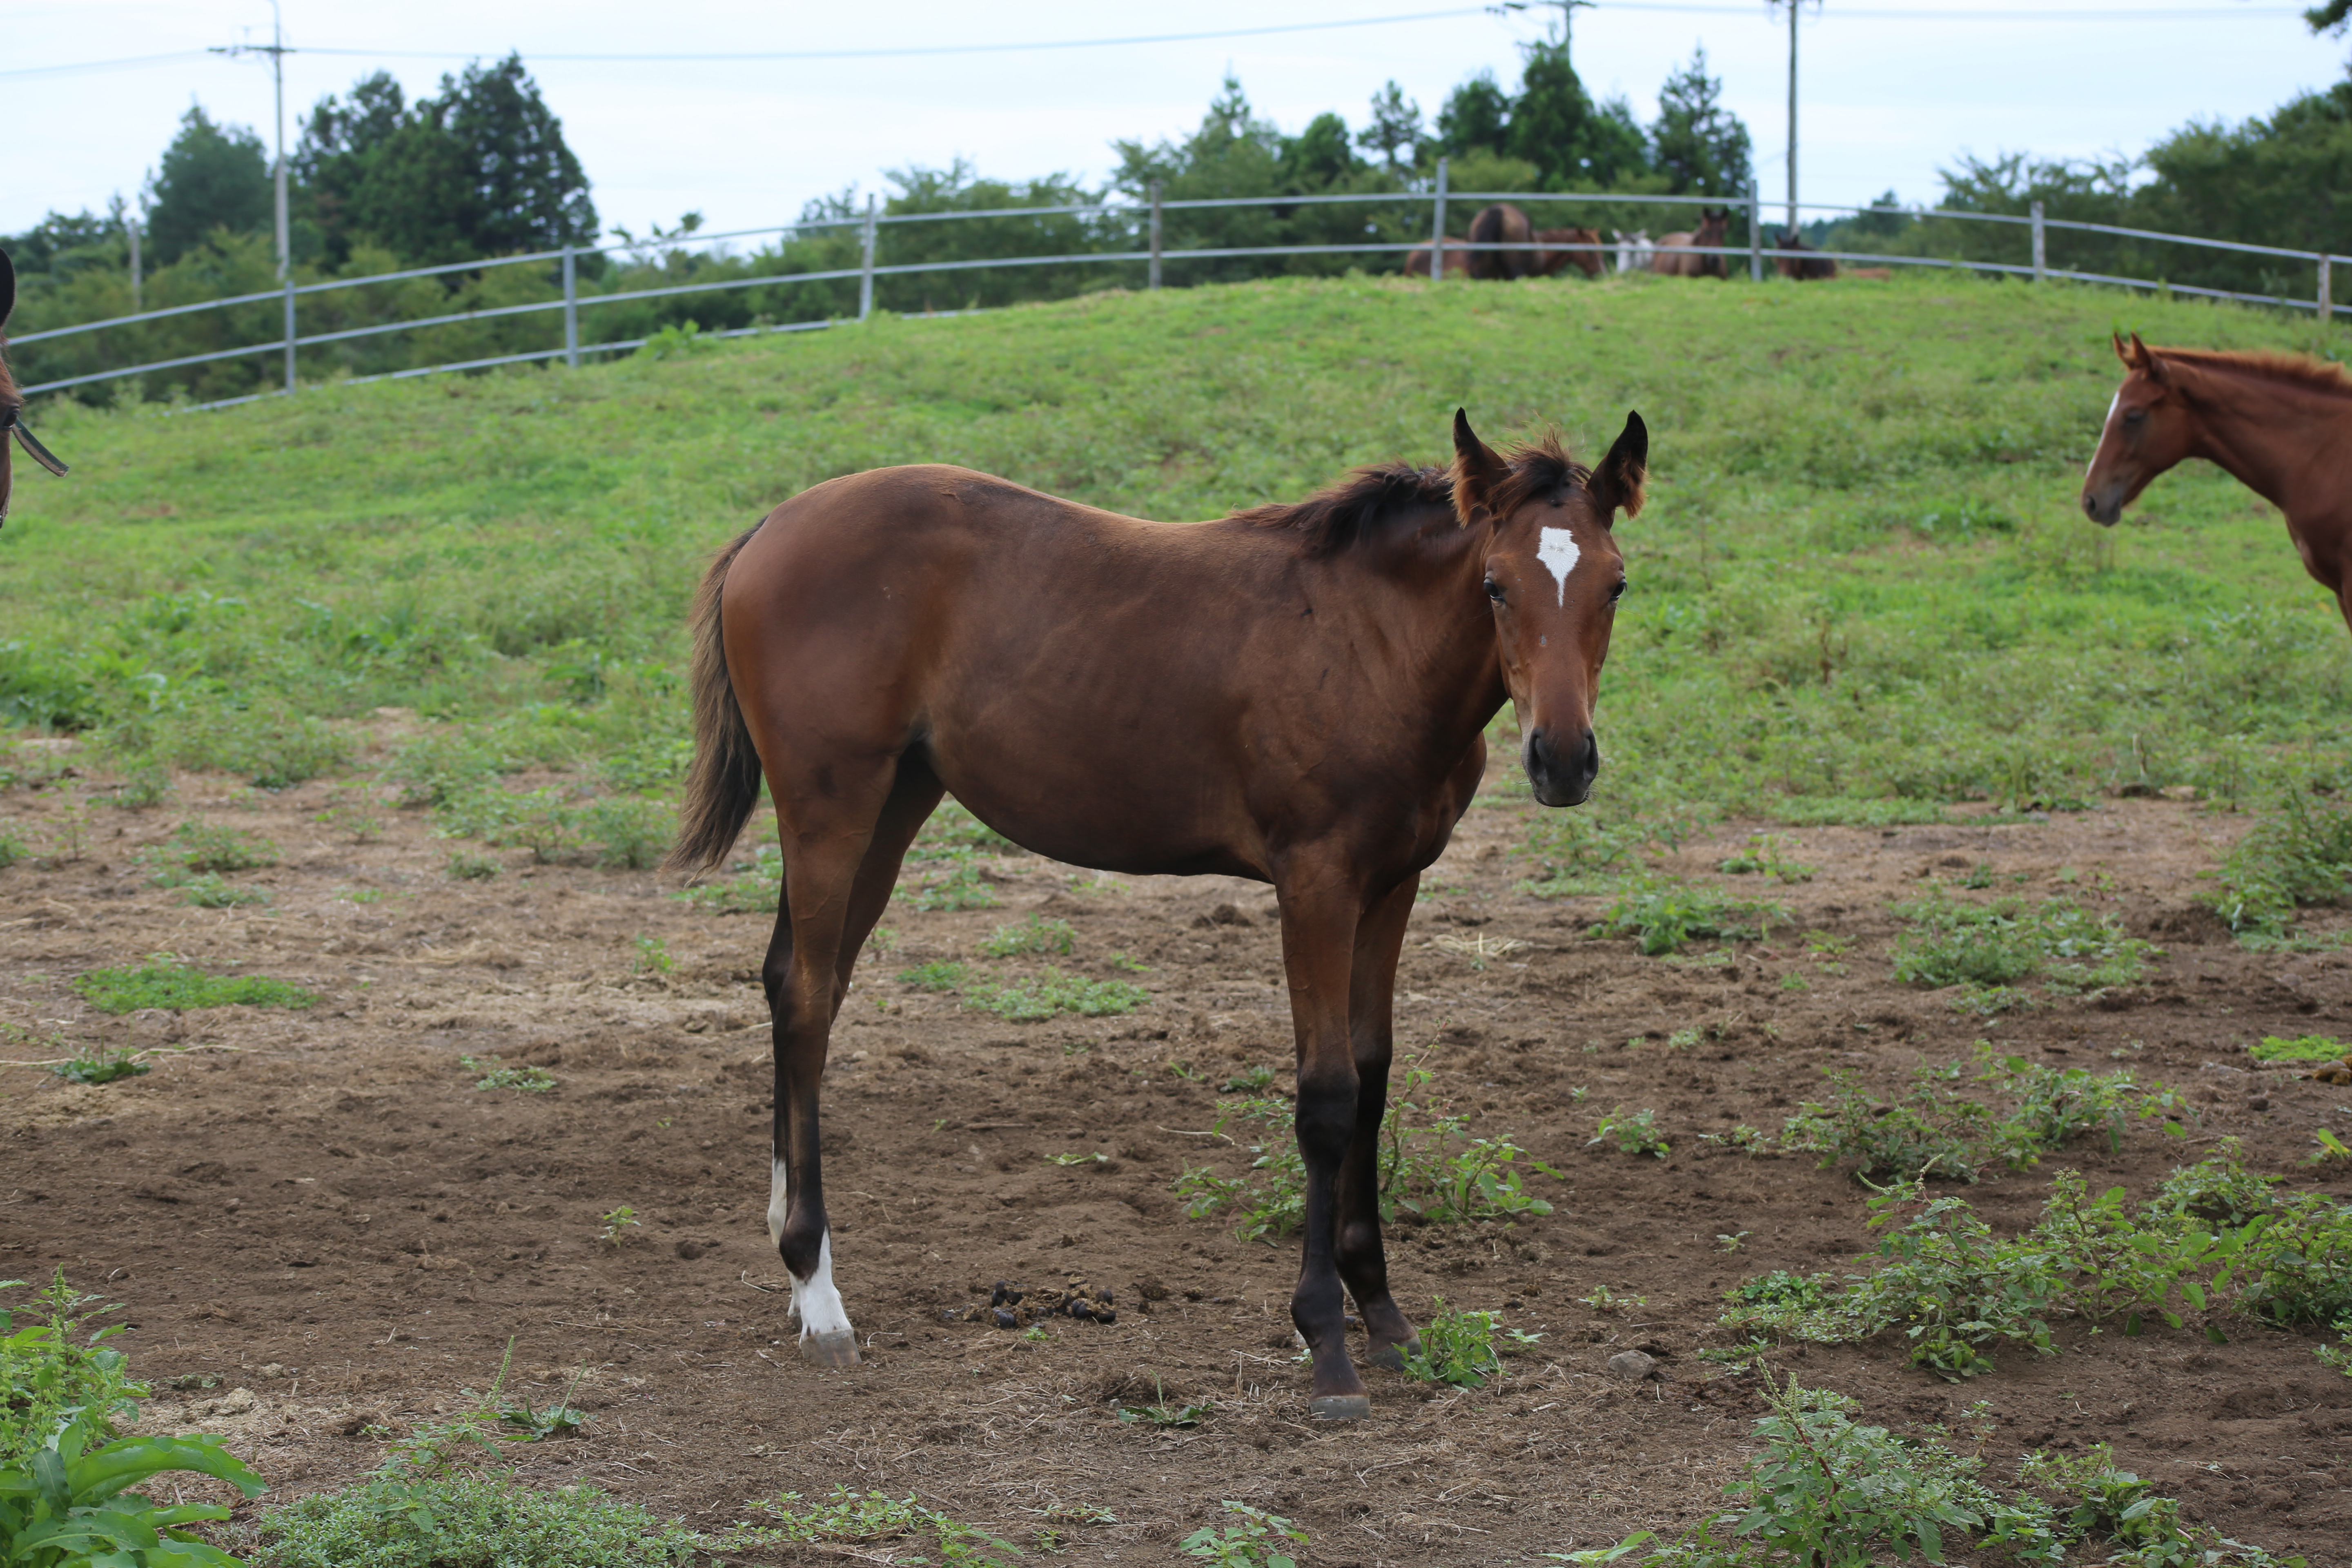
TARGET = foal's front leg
(1363,1260)
(1319,916)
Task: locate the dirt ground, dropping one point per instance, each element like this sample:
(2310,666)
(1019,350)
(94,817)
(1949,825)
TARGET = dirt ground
(320,1224)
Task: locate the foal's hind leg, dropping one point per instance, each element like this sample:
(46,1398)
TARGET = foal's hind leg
(833,890)
(1363,1262)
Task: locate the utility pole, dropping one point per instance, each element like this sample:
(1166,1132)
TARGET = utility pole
(276,50)
(1794,6)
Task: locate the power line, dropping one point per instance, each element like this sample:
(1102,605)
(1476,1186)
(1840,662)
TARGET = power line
(2117,14)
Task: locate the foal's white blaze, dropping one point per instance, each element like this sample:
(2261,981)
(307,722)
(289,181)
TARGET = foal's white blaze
(815,1303)
(1558,554)
(2113,404)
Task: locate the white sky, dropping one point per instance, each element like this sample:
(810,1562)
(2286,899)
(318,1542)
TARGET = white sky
(1888,94)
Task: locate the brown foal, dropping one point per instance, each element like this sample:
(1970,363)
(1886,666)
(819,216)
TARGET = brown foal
(1295,694)
(2280,425)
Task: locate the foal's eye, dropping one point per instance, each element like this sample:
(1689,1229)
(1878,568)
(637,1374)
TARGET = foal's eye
(2135,416)
(1494,590)
(1617,590)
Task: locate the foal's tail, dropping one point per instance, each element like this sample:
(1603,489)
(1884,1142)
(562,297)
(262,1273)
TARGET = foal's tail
(724,786)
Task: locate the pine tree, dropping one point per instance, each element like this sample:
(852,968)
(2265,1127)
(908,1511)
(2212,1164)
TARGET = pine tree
(211,177)
(1700,146)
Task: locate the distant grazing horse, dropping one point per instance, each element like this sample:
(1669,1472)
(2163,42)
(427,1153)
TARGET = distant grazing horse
(1675,257)
(1457,261)
(1501,223)
(1563,248)
(1805,263)
(11,402)
(1634,250)
(2281,424)
(1295,694)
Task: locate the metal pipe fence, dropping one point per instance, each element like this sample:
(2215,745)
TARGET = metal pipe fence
(1144,221)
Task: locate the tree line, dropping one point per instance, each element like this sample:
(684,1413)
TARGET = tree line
(479,170)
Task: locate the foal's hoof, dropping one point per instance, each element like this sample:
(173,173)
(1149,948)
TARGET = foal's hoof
(1340,1407)
(1393,1356)
(838,1347)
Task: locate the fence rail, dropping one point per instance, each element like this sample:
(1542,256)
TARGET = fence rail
(1143,218)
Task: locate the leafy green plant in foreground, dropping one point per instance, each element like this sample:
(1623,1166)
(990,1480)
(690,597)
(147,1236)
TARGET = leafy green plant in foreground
(66,1476)
(2299,853)
(1458,1347)
(1633,1132)
(102,1065)
(1251,1539)
(165,981)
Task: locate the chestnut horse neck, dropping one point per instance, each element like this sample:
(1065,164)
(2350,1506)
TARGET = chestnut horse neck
(2256,416)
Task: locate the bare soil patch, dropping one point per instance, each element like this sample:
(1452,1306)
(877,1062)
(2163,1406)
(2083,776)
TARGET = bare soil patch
(325,1226)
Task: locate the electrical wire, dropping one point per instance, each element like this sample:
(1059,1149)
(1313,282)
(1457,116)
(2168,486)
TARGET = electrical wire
(2118,13)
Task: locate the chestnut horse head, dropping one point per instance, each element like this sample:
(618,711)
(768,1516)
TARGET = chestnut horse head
(11,402)
(2149,428)
(1553,573)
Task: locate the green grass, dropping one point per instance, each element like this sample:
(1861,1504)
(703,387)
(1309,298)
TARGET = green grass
(165,982)
(1804,638)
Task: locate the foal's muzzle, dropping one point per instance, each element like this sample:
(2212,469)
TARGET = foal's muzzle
(1561,768)
(2103,504)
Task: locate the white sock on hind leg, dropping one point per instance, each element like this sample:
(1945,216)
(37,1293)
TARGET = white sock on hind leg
(815,1303)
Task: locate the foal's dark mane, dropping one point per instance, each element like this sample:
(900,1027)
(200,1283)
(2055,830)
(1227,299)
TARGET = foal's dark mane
(2295,370)
(1369,503)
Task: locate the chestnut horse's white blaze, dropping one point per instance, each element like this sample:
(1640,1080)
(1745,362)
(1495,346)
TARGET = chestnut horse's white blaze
(1559,555)
(815,1303)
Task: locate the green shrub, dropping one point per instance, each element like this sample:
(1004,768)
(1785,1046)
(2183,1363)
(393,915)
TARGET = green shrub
(57,1365)
(1456,1347)
(629,831)
(1665,915)
(937,976)
(101,1066)
(12,850)
(164,981)
(497,1074)
(961,886)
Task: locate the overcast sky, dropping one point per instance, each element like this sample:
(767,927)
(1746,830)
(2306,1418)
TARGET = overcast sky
(1890,91)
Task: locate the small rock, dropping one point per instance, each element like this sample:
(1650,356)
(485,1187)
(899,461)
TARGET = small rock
(1632,1366)
(2258,1102)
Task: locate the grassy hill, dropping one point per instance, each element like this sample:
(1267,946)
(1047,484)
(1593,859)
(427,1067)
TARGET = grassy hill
(1863,588)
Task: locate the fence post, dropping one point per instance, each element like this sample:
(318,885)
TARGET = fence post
(1755,234)
(136,281)
(289,331)
(1155,234)
(2326,289)
(2041,253)
(571,309)
(865,266)
(1437,230)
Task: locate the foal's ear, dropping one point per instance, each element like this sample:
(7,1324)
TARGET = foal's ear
(2144,362)
(1617,482)
(1476,469)
(7,287)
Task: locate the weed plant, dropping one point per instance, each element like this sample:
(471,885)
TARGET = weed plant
(12,850)
(102,1065)
(67,1475)
(1988,949)
(1458,1348)
(497,1074)
(2302,1048)
(1632,1132)
(1035,935)
(1430,1165)
(165,981)
(1958,1291)
(467,866)
(1663,916)
(629,832)
(847,1518)
(1827,1491)
(1251,1538)
(1027,999)
(2299,853)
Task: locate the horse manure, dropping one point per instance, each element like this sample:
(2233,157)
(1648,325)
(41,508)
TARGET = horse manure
(1007,1318)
